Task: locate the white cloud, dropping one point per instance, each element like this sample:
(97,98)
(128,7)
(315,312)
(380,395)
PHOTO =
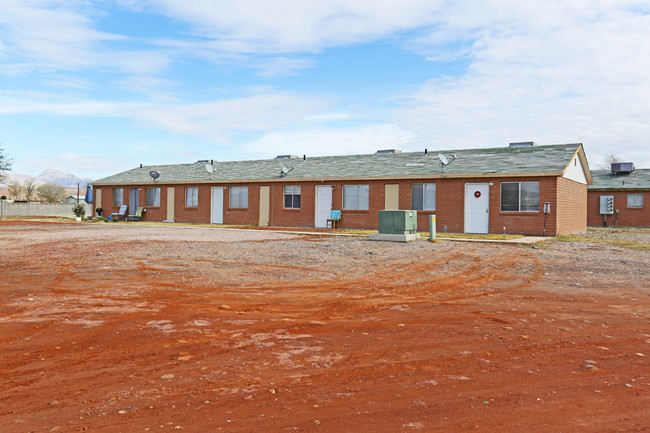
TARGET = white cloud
(259,26)
(282,66)
(25,102)
(552,73)
(150,86)
(89,166)
(331,141)
(262,110)
(329,116)
(60,35)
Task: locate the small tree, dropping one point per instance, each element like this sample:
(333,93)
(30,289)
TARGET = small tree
(51,193)
(79,210)
(29,187)
(15,189)
(609,160)
(5,166)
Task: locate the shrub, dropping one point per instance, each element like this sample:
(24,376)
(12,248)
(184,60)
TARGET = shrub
(79,210)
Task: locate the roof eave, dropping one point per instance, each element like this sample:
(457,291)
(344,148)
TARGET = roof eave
(339,179)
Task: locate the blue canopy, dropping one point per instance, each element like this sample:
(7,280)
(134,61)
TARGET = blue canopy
(89,194)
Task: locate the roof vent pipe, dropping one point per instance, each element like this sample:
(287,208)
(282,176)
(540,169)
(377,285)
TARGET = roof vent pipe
(140,165)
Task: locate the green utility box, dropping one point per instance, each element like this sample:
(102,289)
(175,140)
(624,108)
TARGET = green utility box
(398,222)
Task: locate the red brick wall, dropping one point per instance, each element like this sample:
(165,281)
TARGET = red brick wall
(527,223)
(154,213)
(107,200)
(627,217)
(572,206)
(449,205)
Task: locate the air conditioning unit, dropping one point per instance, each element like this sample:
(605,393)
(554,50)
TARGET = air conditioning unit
(622,167)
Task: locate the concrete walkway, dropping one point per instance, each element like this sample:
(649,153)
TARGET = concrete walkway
(524,240)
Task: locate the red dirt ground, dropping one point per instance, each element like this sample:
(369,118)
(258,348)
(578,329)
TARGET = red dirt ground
(106,328)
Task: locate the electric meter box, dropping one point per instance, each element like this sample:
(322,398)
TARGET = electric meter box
(398,222)
(606,204)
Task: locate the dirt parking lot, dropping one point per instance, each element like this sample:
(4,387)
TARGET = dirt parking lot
(132,328)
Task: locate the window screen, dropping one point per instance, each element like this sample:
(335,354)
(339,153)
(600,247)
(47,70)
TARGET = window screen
(239,196)
(153,197)
(292,197)
(519,196)
(118,196)
(191,197)
(423,196)
(356,197)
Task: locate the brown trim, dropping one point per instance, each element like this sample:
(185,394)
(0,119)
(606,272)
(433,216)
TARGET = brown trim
(580,152)
(630,190)
(348,179)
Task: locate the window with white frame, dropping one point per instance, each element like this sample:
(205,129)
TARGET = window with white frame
(520,196)
(191,196)
(292,197)
(153,197)
(635,200)
(118,196)
(423,196)
(239,196)
(356,197)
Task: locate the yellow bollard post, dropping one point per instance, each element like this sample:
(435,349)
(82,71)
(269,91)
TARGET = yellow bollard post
(432,227)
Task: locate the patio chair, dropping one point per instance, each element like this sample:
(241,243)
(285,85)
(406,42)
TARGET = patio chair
(137,216)
(122,213)
(334,222)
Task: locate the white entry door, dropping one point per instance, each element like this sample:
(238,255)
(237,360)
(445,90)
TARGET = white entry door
(323,205)
(217,206)
(477,207)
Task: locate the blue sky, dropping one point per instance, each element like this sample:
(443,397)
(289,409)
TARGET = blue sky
(97,87)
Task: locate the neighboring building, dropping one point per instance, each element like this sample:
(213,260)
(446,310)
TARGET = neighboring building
(74,199)
(629,190)
(481,191)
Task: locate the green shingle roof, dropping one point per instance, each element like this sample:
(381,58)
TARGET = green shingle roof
(605,179)
(548,159)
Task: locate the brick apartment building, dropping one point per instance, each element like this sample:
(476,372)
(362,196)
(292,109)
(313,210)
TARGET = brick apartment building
(470,191)
(629,189)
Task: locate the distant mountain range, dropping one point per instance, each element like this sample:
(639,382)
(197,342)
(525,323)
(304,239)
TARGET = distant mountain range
(50,176)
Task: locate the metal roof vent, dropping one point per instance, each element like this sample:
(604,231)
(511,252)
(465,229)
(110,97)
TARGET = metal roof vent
(523,144)
(286,157)
(387,151)
(622,167)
